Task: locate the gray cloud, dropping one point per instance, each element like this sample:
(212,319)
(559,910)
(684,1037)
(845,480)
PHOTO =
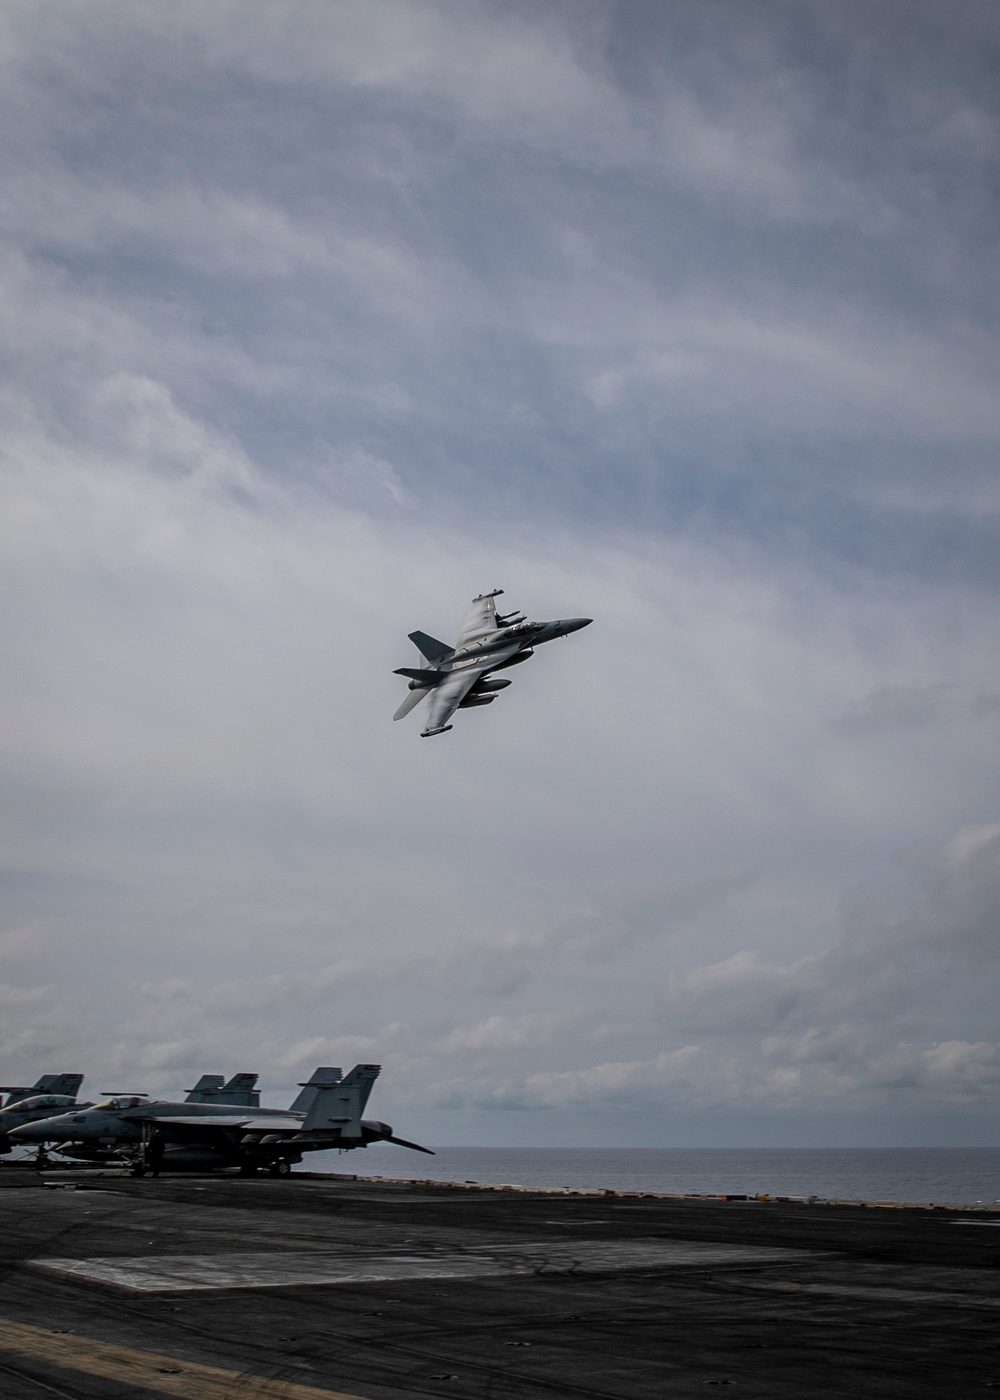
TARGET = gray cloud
(318,321)
(897,707)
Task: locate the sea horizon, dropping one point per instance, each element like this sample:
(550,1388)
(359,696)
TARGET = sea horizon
(907,1175)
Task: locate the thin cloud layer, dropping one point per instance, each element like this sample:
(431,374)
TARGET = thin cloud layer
(320,319)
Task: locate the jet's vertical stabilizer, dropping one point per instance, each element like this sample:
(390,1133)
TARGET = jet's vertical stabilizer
(322,1078)
(206,1089)
(240,1090)
(213,1088)
(429,647)
(342,1105)
(68,1084)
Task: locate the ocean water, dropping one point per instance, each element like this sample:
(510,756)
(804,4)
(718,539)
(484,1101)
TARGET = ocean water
(943,1175)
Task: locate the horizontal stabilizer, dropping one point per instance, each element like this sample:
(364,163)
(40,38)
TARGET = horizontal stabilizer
(416,674)
(430,646)
(206,1088)
(412,700)
(401,1142)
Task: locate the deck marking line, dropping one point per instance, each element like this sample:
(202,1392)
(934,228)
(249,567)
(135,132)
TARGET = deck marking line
(291,1269)
(169,1375)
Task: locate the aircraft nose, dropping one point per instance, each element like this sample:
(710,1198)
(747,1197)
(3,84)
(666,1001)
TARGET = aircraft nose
(573,624)
(27,1132)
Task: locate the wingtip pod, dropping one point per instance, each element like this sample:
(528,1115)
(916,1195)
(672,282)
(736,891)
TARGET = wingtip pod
(442,729)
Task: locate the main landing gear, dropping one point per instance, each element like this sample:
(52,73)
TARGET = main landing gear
(279,1167)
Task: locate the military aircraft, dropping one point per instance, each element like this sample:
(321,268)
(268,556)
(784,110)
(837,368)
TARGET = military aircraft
(34,1107)
(154,1134)
(211,1088)
(458,677)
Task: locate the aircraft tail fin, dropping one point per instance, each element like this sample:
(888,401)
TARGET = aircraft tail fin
(322,1078)
(341,1105)
(16,1092)
(240,1090)
(206,1088)
(429,647)
(213,1088)
(68,1084)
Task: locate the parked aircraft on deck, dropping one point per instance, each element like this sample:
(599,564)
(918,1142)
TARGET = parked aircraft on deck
(34,1107)
(211,1088)
(155,1134)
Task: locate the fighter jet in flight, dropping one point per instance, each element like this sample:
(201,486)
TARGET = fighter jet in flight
(152,1134)
(458,677)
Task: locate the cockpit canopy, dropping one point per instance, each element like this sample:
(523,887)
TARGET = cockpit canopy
(122,1101)
(43,1101)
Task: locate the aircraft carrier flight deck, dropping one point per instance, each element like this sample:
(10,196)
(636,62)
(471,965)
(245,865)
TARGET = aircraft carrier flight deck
(311,1287)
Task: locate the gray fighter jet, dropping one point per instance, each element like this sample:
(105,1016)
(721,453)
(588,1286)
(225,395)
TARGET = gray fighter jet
(211,1088)
(155,1134)
(34,1109)
(458,677)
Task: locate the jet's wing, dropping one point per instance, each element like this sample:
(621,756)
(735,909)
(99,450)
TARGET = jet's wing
(479,620)
(446,698)
(248,1122)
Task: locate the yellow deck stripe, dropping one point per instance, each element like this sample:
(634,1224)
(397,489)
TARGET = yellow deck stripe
(170,1375)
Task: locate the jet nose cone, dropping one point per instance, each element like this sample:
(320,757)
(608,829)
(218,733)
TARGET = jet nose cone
(28,1132)
(573,624)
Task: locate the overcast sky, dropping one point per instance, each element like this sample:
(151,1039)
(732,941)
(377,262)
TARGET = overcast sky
(320,318)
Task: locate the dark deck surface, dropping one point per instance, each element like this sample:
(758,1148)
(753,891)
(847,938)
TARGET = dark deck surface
(214,1287)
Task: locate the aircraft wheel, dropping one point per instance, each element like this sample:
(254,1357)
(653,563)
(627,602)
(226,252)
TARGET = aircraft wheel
(280,1168)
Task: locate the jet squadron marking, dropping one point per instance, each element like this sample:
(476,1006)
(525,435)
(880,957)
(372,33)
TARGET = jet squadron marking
(458,677)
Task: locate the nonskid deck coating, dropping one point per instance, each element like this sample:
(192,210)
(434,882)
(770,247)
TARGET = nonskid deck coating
(290,1269)
(273,1284)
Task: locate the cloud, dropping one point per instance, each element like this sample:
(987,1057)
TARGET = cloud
(741,993)
(897,707)
(498,1033)
(606,1084)
(851,1061)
